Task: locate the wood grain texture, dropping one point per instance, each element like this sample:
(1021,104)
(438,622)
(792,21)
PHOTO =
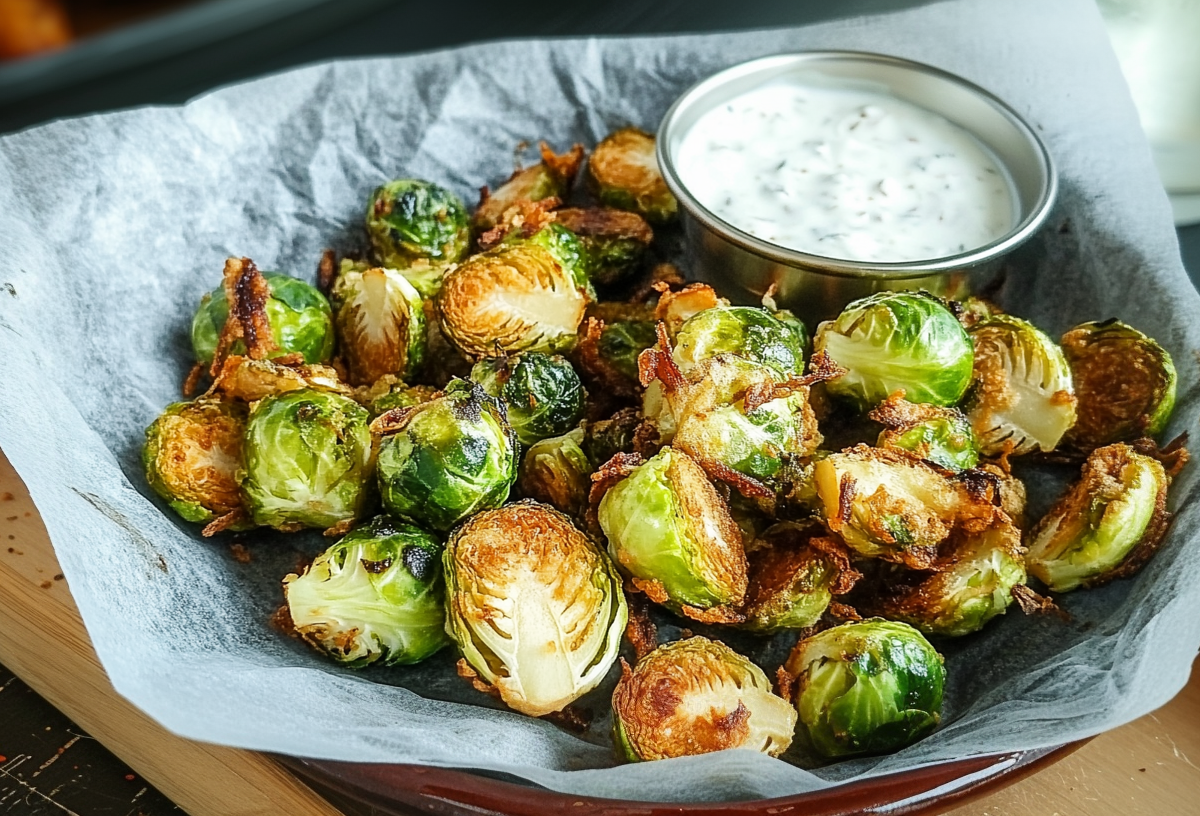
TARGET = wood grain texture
(1148,768)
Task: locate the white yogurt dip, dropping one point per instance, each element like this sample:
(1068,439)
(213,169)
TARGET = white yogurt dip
(845,173)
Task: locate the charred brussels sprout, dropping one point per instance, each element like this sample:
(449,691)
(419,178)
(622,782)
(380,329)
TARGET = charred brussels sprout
(307,460)
(1023,399)
(795,571)
(446,459)
(1125,383)
(550,178)
(511,299)
(940,435)
(299,315)
(535,606)
(410,221)
(972,584)
(557,472)
(542,393)
(192,455)
(373,597)
(380,320)
(615,240)
(623,173)
(774,340)
(867,687)
(697,696)
(670,529)
(896,341)
(1107,525)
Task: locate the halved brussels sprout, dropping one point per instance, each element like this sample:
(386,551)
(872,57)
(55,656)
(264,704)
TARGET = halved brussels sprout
(894,341)
(308,457)
(566,248)
(777,340)
(940,435)
(550,178)
(191,457)
(972,584)
(1125,383)
(697,696)
(557,472)
(1107,525)
(795,571)
(411,221)
(867,687)
(1023,400)
(380,320)
(299,317)
(891,505)
(616,240)
(623,173)
(670,529)
(446,459)
(511,299)
(375,596)
(542,393)
(535,606)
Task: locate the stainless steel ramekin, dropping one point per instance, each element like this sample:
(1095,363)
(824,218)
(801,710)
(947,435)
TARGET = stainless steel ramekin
(743,267)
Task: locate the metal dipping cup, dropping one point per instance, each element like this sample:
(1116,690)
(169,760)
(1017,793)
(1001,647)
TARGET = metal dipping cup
(744,268)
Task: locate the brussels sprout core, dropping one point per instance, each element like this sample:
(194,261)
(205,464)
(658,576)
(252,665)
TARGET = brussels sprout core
(380,322)
(542,393)
(536,608)
(867,687)
(410,221)
(192,455)
(374,597)
(696,696)
(623,173)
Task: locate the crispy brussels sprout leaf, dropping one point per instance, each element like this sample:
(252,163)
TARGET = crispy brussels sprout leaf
(375,596)
(616,241)
(535,606)
(1107,525)
(940,435)
(623,173)
(446,459)
(380,321)
(550,178)
(867,687)
(308,457)
(542,393)
(1125,383)
(777,340)
(389,392)
(895,341)
(192,455)
(696,696)
(795,572)
(250,380)
(674,308)
(410,221)
(1023,400)
(557,472)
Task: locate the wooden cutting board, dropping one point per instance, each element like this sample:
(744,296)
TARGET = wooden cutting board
(1143,769)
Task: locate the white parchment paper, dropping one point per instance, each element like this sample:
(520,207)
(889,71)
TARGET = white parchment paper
(111,228)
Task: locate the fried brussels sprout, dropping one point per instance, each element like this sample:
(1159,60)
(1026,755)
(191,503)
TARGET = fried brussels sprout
(795,571)
(623,173)
(375,596)
(390,392)
(411,221)
(616,241)
(512,299)
(1125,383)
(249,380)
(1023,400)
(1107,525)
(446,459)
(940,435)
(608,354)
(566,248)
(891,505)
(299,316)
(308,458)
(542,393)
(557,472)
(777,340)
(606,438)
(550,178)
(895,341)
(192,455)
(671,531)
(972,583)
(867,687)
(535,606)
(697,696)
(380,321)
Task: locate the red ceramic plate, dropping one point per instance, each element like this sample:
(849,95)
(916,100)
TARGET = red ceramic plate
(405,790)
